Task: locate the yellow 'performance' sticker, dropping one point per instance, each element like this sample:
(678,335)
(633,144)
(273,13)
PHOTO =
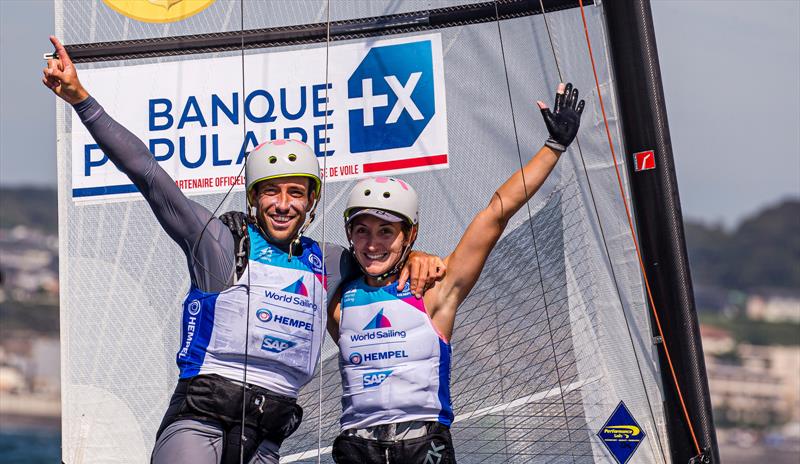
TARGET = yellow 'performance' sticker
(158,11)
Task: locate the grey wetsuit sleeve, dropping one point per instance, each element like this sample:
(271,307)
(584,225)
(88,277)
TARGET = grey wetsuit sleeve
(211,259)
(341,267)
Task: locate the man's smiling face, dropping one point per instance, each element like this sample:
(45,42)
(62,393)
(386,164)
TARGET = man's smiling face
(282,205)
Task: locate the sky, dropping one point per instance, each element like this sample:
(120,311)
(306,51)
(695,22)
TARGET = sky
(731,72)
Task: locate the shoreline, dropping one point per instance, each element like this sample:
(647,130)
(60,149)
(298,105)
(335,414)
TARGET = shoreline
(25,411)
(10,422)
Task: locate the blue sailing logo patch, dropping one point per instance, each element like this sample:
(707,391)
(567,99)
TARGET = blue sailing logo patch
(621,434)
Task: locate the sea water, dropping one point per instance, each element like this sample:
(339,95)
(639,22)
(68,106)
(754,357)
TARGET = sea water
(30,445)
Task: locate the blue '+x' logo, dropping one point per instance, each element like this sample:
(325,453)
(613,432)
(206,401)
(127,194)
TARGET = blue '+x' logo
(391,97)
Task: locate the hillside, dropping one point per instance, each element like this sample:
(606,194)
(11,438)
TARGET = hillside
(763,251)
(29,206)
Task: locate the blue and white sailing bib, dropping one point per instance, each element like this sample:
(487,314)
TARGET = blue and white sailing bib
(395,366)
(287,317)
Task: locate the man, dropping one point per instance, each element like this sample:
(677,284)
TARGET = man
(254,317)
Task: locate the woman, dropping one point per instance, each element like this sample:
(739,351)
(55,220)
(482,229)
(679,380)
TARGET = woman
(395,351)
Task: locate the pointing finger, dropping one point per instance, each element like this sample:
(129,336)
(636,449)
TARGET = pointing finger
(61,51)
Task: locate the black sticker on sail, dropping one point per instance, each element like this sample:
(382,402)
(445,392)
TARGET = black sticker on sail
(621,434)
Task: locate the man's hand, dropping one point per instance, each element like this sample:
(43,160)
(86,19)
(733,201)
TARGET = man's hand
(424,271)
(61,77)
(236,221)
(564,120)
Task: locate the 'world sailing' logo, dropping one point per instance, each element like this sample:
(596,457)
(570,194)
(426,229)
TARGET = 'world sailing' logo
(391,97)
(297,287)
(373,330)
(378,322)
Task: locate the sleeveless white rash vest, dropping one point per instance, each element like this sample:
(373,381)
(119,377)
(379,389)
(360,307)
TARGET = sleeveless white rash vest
(287,321)
(395,366)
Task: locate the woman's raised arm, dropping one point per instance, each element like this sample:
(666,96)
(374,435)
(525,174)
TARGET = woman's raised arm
(467,260)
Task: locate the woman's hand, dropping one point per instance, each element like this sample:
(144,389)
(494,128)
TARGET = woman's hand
(565,119)
(61,77)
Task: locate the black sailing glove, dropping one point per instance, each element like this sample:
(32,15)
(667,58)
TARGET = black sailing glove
(564,120)
(237,223)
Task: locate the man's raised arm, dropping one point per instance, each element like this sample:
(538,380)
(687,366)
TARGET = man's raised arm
(211,260)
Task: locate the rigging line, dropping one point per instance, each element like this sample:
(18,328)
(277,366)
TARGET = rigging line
(605,245)
(193,249)
(496,310)
(247,287)
(636,241)
(323,191)
(533,233)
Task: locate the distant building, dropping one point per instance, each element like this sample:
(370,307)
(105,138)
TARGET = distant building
(46,363)
(11,379)
(782,362)
(744,397)
(757,386)
(29,266)
(716,341)
(774,305)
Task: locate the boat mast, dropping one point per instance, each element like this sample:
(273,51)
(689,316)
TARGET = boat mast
(657,211)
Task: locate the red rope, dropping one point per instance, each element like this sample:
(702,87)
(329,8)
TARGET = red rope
(635,241)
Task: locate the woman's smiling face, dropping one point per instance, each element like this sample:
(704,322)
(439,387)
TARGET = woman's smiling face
(378,244)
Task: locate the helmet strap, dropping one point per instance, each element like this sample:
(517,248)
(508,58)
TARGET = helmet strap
(310,216)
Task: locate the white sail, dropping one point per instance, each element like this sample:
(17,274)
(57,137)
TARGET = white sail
(552,338)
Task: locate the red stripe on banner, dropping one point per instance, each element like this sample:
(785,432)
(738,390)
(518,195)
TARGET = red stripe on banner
(405,163)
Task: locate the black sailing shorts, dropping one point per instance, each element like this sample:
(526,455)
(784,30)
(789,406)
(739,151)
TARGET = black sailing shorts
(436,447)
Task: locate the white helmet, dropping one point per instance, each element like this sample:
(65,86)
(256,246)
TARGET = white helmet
(282,158)
(388,198)
(383,194)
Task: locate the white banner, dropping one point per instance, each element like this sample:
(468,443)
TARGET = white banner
(385,114)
